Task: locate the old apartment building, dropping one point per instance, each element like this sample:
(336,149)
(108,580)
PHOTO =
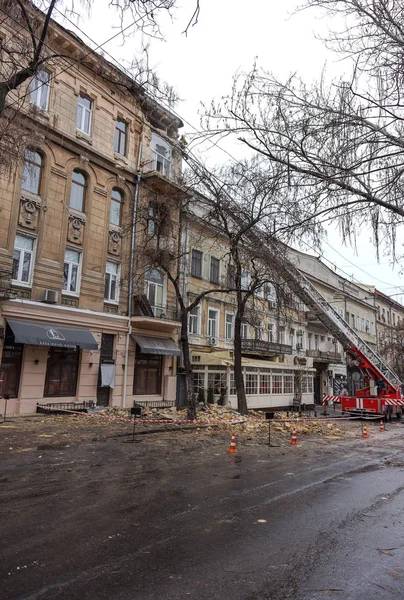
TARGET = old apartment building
(75,326)
(89,316)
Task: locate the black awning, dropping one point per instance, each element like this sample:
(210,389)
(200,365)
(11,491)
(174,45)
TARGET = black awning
(47,334)
(153,345)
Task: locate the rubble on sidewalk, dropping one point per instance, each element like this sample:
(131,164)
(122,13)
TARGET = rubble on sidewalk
(224,418)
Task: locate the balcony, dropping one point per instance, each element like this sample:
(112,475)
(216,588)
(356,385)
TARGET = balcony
(324,357)
(264,348)
(157,318)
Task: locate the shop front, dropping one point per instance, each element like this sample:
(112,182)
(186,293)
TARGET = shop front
(52,355)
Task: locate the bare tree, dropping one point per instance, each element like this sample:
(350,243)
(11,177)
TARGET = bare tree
(239,201)
(392,348)
(28,47)
(339,145)
(160,225)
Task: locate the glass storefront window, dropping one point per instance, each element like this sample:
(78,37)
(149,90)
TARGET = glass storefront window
(61,372)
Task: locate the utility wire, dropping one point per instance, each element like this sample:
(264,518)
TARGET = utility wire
(170,109)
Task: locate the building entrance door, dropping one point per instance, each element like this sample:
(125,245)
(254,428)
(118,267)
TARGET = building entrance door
(106,358)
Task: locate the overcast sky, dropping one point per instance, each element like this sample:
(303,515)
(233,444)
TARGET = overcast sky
(228,37)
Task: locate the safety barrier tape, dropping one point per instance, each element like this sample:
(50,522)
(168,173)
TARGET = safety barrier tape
(211,421)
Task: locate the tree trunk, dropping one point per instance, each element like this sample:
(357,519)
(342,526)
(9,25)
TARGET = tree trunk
(238,370)
(189,380)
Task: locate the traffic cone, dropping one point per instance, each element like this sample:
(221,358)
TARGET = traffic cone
(232,448)
(293,441)
(365,432)
(381,426)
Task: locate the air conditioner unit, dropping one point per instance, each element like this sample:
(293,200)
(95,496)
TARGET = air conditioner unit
(50,297)
(212,341)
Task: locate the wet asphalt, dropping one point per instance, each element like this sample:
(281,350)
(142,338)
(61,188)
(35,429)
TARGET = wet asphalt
(152,521)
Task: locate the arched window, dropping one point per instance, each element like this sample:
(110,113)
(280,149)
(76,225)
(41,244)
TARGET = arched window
(31,175)
(115,211)
(161,152)
(78,191)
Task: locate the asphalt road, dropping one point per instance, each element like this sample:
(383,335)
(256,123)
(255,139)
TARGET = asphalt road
(167,520)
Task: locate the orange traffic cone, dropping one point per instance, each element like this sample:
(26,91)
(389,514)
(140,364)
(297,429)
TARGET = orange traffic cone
(232,448)
(381,426)
(293,441)
(365,432)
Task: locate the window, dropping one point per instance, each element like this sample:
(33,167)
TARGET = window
(258,331)
(281,335)
(161,152)
(61,372)
(358,323)
(155,291)
(115,211)
(363,323)
(315,341)
(152,220)
(111,282)
(277,384)
(270,332)
(292,339)
(245,280)
(229,326)
(84,113)
(10,365)
(78,191)
(148,372)
(39,89)
(353,319)
(310,341)
(217,381)
(214,269)
(245,331)
(196,263)
(307,384)
(194,320)
(270,293)
(367,326)
(265,383)
(23,259)
(232,390)
(213,322)
(251,383)
(231,277)
(288,384)
(120,137)
(71,272)
(199,381)
(31,175)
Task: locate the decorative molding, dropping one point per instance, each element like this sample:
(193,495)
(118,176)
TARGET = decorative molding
(113,310)
(22,293)
(120,180)
(100,191)
(84,160)
(58,172)
(75,231)
(29,211)
(73,302)
(114,243)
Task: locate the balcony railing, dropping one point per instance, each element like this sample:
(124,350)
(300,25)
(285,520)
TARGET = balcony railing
(143,308)
(265,348)
(321,356)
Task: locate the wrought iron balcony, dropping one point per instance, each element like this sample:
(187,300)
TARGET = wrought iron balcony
(264,348)
(326,357)
(142,307)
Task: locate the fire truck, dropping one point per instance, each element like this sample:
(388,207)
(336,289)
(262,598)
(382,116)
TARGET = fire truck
(382,395)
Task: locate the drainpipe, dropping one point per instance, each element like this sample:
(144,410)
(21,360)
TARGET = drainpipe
(131,260)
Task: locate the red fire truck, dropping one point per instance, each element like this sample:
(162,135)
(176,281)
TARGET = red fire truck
(382,395)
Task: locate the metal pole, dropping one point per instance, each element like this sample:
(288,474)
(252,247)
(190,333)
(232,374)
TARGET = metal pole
(269,432)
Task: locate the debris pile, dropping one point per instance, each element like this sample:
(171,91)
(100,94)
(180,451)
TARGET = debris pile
(225,417)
